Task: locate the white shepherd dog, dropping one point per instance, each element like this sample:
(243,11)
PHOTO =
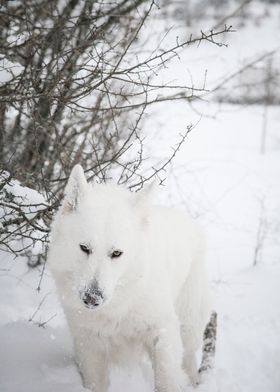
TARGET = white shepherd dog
(131,279)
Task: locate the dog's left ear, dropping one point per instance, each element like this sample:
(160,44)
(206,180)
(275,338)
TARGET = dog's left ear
(147,193)
(144,199)
(74,190)
(149,190)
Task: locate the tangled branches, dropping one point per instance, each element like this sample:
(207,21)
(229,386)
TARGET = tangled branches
(76,87)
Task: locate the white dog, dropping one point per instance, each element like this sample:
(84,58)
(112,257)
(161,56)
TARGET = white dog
(131,280)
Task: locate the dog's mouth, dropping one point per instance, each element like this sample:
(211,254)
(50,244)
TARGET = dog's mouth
(92,300)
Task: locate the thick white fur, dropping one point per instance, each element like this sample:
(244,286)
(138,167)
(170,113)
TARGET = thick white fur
(156,298)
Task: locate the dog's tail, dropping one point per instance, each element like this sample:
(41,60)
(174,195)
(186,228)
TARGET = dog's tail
(209,344)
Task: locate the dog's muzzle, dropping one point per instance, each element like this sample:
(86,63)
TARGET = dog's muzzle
(92,297)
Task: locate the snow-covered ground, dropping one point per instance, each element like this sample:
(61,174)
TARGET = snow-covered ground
(224,181)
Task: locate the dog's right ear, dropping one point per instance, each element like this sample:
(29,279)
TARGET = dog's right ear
(74,190)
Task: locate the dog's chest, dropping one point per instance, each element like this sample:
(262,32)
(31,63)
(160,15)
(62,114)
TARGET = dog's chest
(133,327)
(124,341)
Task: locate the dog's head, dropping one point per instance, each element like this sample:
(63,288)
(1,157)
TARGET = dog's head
(97,240)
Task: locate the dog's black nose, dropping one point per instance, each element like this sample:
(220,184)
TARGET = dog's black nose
(92,298)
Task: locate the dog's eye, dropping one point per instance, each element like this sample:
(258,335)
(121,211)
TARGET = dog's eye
(85,248)
(116,253)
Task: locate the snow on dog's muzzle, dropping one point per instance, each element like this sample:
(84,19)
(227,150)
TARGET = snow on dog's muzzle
(92,297)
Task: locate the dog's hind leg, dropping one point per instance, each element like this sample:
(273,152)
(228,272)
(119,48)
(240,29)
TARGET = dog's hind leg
(189,357)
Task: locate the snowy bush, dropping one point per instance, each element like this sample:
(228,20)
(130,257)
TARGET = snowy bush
(75,86)
(25,217)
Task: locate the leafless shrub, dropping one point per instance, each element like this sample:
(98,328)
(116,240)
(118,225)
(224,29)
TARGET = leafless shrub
(256,82)
(24,223)
(76,86)
(219,11)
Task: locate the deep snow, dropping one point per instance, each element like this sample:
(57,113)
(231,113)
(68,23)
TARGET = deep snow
(221,178)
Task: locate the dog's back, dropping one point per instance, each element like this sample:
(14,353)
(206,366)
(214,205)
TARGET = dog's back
(178,247)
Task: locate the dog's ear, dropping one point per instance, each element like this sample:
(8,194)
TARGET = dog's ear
(149,190)
(74,190)
(144,199)
(147,194)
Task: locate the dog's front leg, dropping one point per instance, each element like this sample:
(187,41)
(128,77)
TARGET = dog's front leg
(92,365)
(167,354)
